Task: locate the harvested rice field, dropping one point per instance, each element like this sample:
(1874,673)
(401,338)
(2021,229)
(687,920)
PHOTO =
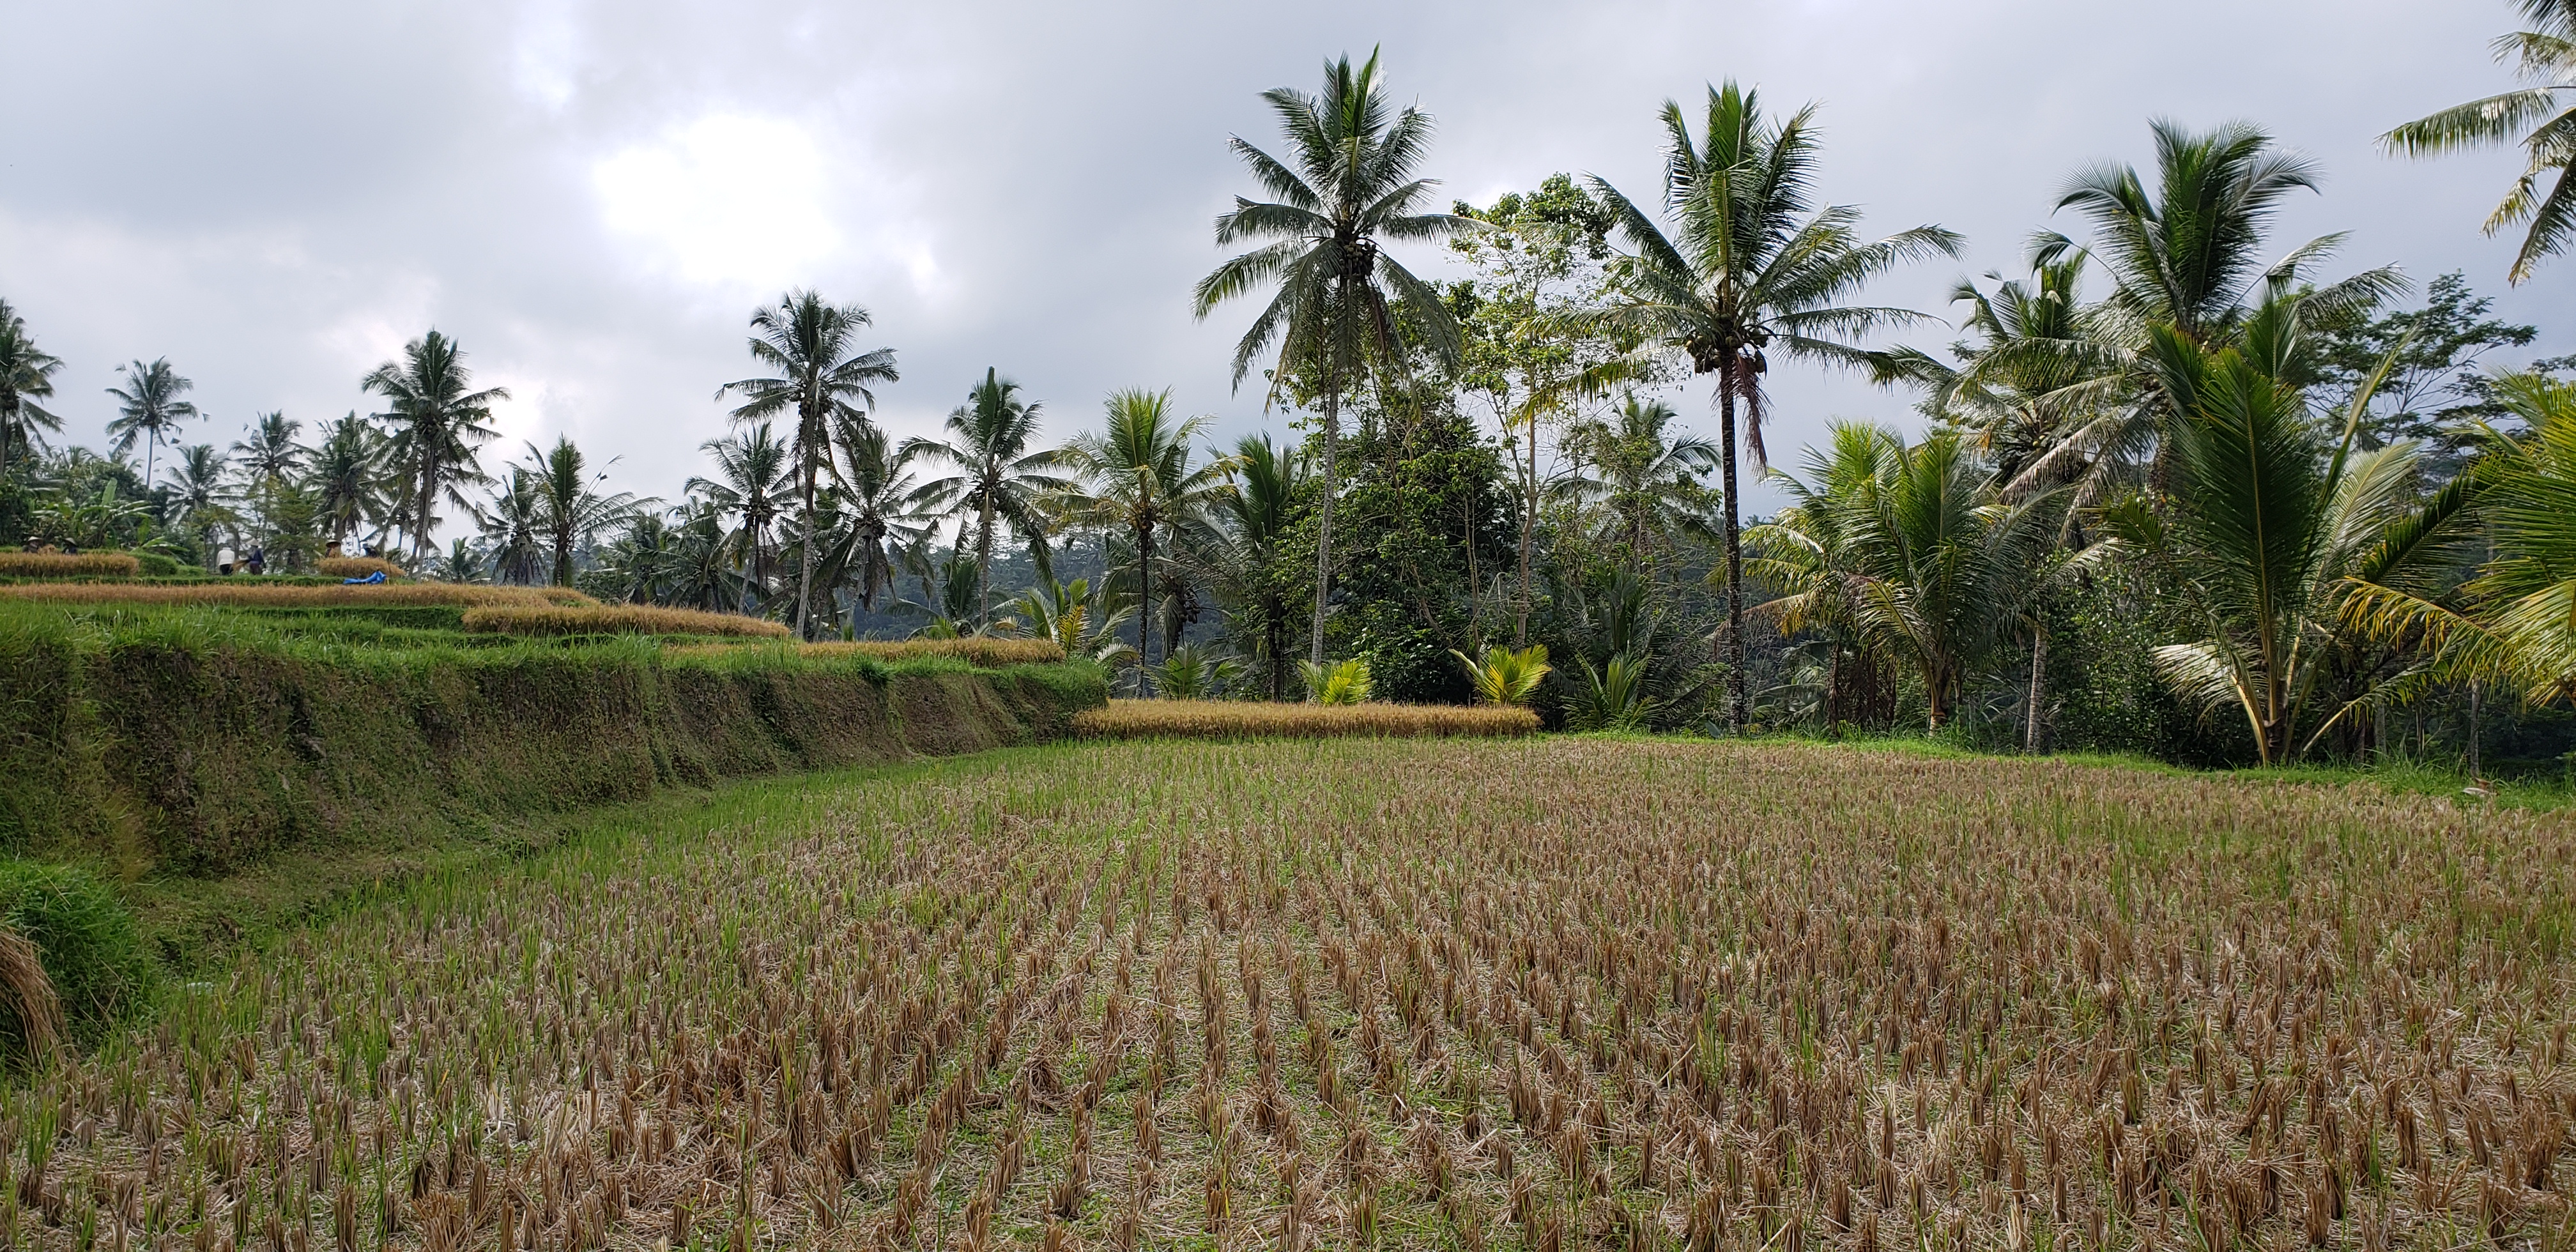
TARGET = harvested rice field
(1536,993)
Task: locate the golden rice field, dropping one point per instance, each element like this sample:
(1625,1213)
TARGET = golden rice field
(1539,993)
(614,619)
(248,592)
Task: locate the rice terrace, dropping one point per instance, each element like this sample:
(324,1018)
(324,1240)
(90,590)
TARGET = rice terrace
(1651,696)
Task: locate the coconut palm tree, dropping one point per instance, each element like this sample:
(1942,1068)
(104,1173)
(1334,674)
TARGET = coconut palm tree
(438,421)
(26,375)
(2027,345)
(202,501)
(1914,548)
(2187,256)
(348,476)
(514,528)
(876,489)
(1001,477)
(1136,474)
(1751,268)
(822,377)
(754,473)
(1808,552)
(1080,616)
(570,506)
(1343,305)
(148,407)
(2542,117)
(1650,477)
(1255,515)
(2273,525)
(269,452)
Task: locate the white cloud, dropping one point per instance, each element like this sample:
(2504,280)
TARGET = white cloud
(733,203)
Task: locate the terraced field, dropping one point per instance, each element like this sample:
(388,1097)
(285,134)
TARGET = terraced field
(1542,993)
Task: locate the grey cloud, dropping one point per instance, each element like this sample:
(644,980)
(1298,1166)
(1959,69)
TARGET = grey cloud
(275,196)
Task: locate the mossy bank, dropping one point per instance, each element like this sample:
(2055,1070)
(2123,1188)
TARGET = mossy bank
(174,749)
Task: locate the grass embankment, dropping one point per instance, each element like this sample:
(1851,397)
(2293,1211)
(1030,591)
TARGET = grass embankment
(1564,992)
(231,765)
(1247,719)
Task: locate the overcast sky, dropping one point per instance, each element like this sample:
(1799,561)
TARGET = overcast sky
(592,197)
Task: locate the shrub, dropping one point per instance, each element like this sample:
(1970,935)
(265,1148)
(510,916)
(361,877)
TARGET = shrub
(616,619)
(983,652)
(1234,719)
(256,593)
(67,565)
(1343,682)
(357,567)
(155,565)
(1506,676)
(86,941)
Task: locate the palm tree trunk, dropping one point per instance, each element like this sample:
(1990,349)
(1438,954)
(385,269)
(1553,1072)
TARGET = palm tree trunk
(1324,518)
(1144,601)
(984,567)
(2038,671)
(1529,526)
(1274,627)
(1726,371)
(1834,691)
(805,576)
(428,493)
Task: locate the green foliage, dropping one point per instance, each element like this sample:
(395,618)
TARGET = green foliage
(1614,696)
(87,941)
(1342,682)
(169,742)
(1506,675)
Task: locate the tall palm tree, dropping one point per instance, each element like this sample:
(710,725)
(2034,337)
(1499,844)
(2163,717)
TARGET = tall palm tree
(2271,529)
(1649,477)
(754,473)
(1000,477)
(26,375)
(1256,514)
(876,490)
(348,476)
(2541,118)
(269,452)
(1137,474)
(514,528)
(570,505)
(2514,624)
(199,491)
(1915,550)
(822,377)
(1343,304)
(438,421)
(2186,256)
(151,410)
(2027,344)
(1752,267)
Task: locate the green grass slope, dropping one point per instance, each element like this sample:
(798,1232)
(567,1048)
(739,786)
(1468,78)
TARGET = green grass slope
(171,747)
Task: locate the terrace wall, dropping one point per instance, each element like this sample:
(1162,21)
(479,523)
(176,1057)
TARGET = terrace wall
(195,757)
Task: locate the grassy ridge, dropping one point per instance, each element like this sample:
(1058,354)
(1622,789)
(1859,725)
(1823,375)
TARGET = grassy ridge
(1239,719)
(184,745)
